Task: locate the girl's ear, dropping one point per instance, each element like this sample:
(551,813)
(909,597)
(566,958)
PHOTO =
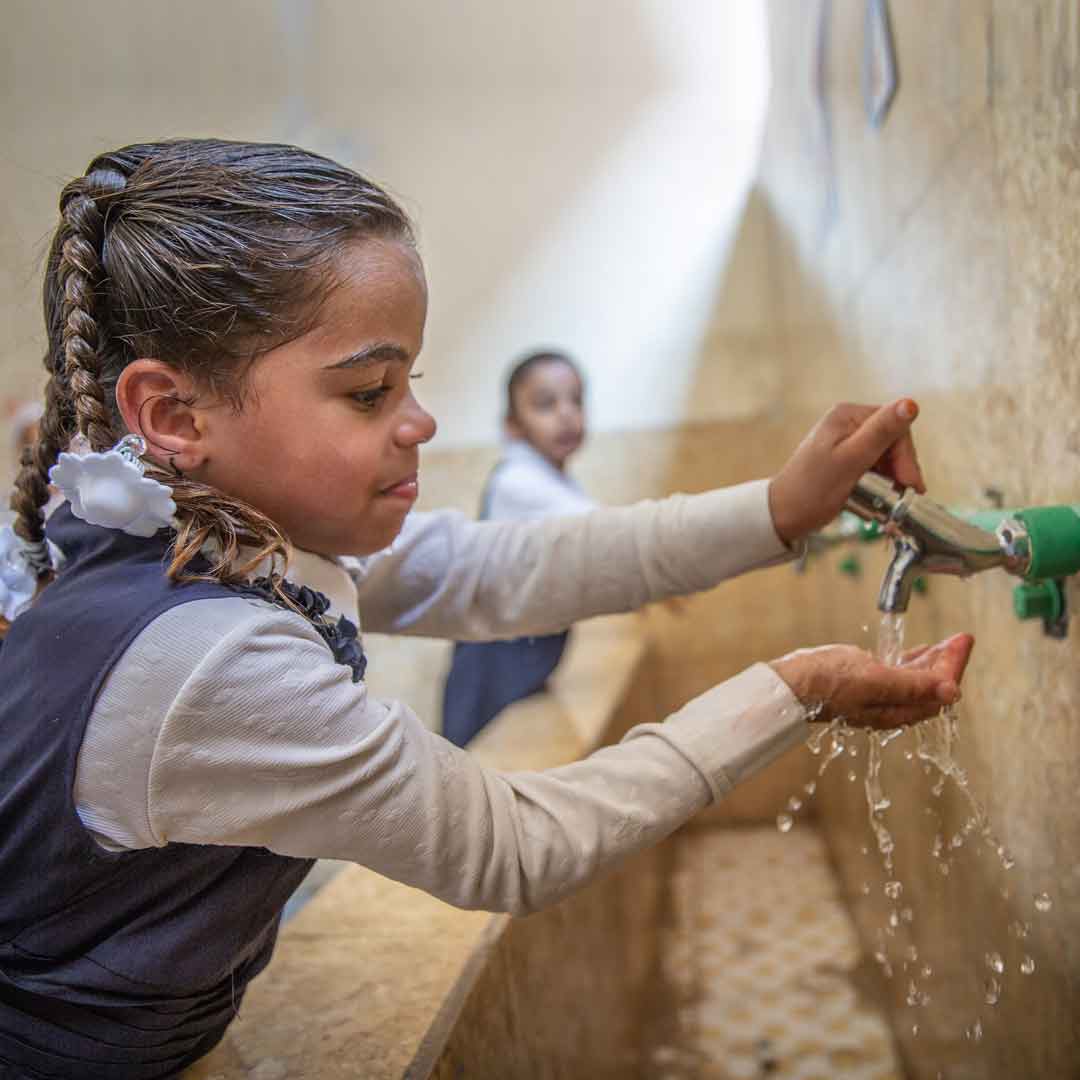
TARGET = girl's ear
(155,400)
(512,427)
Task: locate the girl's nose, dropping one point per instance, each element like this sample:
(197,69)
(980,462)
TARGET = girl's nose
(416,426)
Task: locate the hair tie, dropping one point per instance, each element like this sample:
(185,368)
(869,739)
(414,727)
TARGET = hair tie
(110,489)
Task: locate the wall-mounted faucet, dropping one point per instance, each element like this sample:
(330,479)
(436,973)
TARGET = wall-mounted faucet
(1040,544)
(928,538)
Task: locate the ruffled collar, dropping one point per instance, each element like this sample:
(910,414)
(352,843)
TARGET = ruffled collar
(322,591)
(330,578)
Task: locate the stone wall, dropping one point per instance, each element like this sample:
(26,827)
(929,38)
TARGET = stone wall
(936,255)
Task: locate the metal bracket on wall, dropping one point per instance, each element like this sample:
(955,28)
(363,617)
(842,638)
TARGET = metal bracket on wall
(881,77)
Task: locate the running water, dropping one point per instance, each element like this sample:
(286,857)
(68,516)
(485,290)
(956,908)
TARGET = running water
(935,742)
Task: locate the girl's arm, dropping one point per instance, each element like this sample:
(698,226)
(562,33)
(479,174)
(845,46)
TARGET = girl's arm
(447,576)
(226,722)
(253,736)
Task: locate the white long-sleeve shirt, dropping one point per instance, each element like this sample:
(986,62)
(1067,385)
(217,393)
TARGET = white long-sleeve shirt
(227,721)
(524,484)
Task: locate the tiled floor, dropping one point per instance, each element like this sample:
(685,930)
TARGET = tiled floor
(760,957)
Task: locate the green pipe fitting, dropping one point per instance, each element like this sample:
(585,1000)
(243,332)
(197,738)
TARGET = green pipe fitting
(869,531)
(850,565)
(1038,600)
(1053,532)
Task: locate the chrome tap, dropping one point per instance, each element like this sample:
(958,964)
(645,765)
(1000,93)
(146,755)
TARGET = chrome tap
(928,538)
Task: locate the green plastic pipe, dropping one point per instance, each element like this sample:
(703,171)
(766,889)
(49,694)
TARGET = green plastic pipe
(1054,534)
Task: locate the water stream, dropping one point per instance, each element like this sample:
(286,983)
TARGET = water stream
(935,743)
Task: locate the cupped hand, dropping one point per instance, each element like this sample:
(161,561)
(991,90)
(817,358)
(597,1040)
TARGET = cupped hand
(811,489)
(849,682)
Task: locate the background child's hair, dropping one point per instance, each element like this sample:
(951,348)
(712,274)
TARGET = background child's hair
(205,254)
(527,363)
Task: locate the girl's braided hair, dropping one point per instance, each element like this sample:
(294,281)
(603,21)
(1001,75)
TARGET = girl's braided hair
(205,254)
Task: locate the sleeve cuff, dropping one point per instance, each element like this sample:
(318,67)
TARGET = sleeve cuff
(734,531)
(736,728)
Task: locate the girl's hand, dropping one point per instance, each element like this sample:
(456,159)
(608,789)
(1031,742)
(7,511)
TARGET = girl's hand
(811,489)
(849,682)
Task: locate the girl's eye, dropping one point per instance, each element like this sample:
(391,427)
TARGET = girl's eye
(370,398)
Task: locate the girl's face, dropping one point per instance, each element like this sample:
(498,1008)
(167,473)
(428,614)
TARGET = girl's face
(327,441)
(548,410)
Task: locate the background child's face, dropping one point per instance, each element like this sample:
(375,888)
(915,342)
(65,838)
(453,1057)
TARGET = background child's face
(327,442)
(548,410)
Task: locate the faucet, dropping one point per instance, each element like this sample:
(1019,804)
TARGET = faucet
(927,538)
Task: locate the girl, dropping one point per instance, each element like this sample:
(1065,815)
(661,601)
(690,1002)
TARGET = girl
(545,425)
(185,722)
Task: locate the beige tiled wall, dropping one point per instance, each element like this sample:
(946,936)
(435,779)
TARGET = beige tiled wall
(949,270)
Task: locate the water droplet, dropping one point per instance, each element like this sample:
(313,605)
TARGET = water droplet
(957,841)
(914,1031)
(784,822)
(938,788)
(911,954)
(1019,929)
(853,750)
(907,915)
(1027,965)
(944,868)
(1043,902)
(865,889)
(865,850)
(939,846)
(894,919)
(852,776)
(927,971)
(794,804)
(992,991)
(994,962)
(1007,860)
(893,889)
(810,788)
(975,1032)
(915,996)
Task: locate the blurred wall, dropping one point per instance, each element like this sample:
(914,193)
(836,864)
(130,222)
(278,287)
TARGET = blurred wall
(576,171)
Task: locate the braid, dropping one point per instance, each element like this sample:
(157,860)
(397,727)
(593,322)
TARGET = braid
(32,485)
(82,277)
(74,398)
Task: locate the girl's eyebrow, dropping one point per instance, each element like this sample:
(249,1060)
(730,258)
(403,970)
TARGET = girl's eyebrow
(382,353)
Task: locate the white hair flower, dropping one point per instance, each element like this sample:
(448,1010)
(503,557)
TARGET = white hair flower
(18,581)
(110,490)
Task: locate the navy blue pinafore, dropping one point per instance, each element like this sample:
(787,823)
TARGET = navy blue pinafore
(113,965)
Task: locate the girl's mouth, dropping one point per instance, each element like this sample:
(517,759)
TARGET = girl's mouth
(406,488)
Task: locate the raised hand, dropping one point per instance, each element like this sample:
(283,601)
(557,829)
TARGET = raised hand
(811,489)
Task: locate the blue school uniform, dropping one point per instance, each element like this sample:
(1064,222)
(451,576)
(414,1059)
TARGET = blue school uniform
(486,677)
(123,965)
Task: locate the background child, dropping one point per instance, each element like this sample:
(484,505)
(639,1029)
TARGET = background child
(185,728)
(545,427)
